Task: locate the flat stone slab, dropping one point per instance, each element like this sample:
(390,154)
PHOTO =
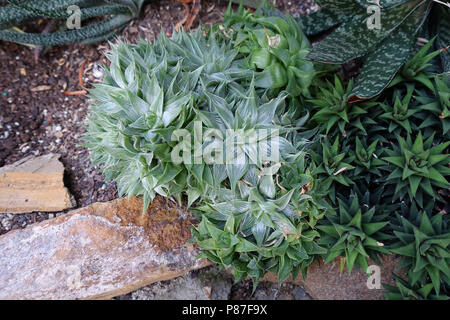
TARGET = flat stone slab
(34,184)
(326,282)
(97,252)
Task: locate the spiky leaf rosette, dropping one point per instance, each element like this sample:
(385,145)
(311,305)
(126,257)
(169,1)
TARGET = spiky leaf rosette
(385,46)
(423,244)
(335,115)
(276,48)
(118,14)
(354,234)
(310,202)
(151,90)
(257,230)
(436,105)
(400,112)
(416,68)
(417,168)
(332,165)
(366,159)
(403,290)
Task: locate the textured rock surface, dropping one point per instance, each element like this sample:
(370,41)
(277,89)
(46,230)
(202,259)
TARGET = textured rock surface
(97,252)
(267,290)
(325,282)
(206,284)
(34,184)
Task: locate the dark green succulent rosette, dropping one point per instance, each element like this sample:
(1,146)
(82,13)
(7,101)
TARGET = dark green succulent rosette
(417,170)
(355,234)
(403,290)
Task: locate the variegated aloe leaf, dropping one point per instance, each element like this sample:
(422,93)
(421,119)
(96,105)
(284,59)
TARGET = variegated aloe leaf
(353,39)
(348,7)
(376,73)
(319,21)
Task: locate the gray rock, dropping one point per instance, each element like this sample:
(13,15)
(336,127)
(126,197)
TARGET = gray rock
(207,284)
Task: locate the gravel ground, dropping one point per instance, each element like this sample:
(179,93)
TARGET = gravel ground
(36,118)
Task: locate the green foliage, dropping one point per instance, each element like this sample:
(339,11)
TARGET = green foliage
(366,159)
(119,12)
(417,168)
(436,105)
(347,169)
(331,110)
(415,68)
(152,89)
(354,233)
(405,291)
(259,229)
(423,243)
(385,48)
(398,111)
(333,164)
(276,48)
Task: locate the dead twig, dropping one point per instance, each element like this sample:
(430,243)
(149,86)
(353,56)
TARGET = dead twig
(80,80)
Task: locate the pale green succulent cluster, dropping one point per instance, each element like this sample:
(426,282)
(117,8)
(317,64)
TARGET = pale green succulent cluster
(267,225)
(150,91)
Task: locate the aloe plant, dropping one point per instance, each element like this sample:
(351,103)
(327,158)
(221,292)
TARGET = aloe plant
(423,243)
(400,112)
(256,230)
(403,290)
(417,168)
(367,159)
(385,47)
(151,90)
(416,68)
(436,105)
(332,111)
(276,48)
(355,234)
(119,12)
(333,164)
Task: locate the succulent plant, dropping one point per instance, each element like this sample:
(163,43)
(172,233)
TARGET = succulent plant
(119,12)
(400,112)
(256,230)
(423,243)
(403,290)
(383,33)
(298,173)
(331,110)
(333,162)
(354,234)
(415,69)
(436,105)
(276,48)
(151,90)
(366,159)
(417,168)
